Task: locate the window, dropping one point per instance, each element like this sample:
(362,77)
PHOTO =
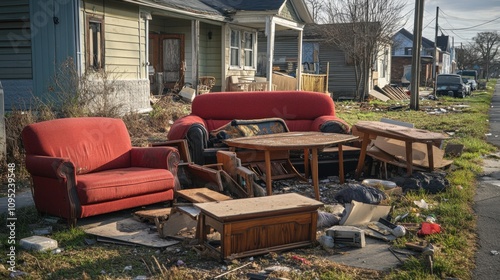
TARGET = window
(242,49)
(235,48)
(95,43)
(385,63)
(248,44)
(408,51)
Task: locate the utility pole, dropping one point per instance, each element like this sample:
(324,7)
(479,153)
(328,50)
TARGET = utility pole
(434,60)
(415,62)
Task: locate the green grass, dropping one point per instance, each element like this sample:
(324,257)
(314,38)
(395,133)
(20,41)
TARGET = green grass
(466,120)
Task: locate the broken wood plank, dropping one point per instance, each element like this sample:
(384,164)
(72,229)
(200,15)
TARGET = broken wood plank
(152,214)
(200,195)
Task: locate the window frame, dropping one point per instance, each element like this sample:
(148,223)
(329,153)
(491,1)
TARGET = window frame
(242,51)
(409,51)
(246,51)
(89,46)
(235,48)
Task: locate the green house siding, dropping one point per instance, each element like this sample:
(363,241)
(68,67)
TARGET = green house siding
(15,40)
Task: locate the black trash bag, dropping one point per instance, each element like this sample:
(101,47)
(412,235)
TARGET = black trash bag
(360,193)
(433,182)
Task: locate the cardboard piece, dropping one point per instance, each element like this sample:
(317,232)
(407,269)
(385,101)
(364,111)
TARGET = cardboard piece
(176,222)
(131,231)
(188,94)
(397,148)
(358,213)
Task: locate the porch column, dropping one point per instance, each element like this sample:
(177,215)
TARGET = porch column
(195,48)
(299,61)
(270,32)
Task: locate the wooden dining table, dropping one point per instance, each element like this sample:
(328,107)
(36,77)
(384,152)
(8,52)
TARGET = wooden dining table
(287,141)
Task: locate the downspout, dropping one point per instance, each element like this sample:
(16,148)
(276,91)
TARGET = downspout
(147,17)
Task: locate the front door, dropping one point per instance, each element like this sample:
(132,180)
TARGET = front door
(166,52)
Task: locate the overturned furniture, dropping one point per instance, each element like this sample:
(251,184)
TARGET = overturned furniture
(82,167)
(400,145)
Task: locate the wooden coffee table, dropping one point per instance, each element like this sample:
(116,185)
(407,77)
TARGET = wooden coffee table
(259,225)
(287,141)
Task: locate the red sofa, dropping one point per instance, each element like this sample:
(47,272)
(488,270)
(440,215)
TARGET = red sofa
(301,111)
(82,167)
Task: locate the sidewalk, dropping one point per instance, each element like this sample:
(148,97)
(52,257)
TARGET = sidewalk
(23,199)
(487,203)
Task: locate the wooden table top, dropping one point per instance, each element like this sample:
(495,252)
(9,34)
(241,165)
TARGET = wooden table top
(290,140)
(398,131)
(263,206)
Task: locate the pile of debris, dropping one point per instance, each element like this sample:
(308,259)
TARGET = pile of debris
(389,92)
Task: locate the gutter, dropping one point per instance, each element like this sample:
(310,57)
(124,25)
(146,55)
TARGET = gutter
(177,11)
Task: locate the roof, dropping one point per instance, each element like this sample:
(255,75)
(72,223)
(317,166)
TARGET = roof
(443,42)
(216,7)
(426,43)
(254,5)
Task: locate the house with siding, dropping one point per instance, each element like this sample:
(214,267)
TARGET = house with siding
(402,51)
(150,46)
(321,56)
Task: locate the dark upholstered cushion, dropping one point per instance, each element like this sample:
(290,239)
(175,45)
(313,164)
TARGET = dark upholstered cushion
(245,128)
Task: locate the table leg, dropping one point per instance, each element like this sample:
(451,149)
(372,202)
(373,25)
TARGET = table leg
(409,157)
(306,163)
(314,171)
(201,233)
(341,164)
(269,182)
(430,156)
(362,155)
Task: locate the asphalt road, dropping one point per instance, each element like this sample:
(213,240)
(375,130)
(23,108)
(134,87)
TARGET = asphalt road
(487,203)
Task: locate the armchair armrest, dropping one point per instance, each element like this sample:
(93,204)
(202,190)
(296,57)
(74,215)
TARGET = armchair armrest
(155,157)
(63,170)
(50,167)
(331,124)
(181,126)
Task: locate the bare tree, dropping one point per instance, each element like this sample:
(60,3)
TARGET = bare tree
(359,28)
(487,45)
(467,57)
(316,8)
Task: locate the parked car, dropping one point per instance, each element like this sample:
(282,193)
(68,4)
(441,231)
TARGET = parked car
(473,84)
(450,85)
(468,87)
(471,75)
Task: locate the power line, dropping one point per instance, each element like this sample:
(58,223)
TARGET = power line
(481,24)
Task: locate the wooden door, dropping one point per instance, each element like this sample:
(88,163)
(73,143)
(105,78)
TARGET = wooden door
(166,52)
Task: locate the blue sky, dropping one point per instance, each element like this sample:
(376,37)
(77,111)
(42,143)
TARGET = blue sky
(460,19)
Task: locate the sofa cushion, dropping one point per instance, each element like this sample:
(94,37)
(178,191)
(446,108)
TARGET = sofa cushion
(123,182)
(92,143)
(245,128)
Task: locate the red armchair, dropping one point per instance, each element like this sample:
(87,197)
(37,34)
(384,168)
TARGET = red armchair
(82,167)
